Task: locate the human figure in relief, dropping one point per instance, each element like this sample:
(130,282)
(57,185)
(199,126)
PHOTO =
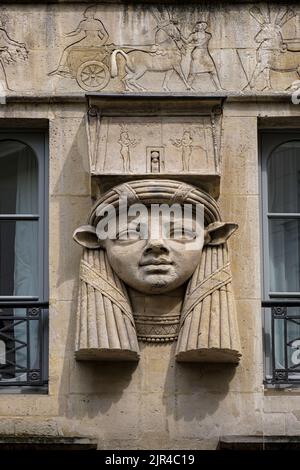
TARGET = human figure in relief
(10,51)
(186,145)
(89,33)
(126,143)
(201,59)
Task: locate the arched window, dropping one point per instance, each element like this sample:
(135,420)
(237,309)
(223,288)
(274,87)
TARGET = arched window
(19,232)
(281,252)
(23,256)
(283,171)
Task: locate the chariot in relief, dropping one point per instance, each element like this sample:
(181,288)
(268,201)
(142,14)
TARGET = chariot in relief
(92,60)
(87,59)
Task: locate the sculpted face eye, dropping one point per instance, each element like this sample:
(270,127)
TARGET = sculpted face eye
(177,231)
(130,233)
(181,234)
(127,235)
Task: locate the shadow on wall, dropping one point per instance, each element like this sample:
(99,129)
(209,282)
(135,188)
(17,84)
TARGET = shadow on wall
(70,198)
(96,387)
(69,205)
(198,388)
(184,392)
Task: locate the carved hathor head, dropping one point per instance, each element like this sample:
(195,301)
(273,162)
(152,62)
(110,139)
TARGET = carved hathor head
(153,263)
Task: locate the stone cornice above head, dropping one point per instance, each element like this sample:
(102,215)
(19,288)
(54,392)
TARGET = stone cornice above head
(164,103)
(180,99)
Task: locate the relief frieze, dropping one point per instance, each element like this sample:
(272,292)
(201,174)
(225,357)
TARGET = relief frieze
(144,48)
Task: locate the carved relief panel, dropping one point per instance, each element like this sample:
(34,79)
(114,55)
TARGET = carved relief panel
(190,49)
(127,145)
(136,48)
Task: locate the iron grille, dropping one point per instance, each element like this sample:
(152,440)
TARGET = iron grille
(285,341)
(22,344)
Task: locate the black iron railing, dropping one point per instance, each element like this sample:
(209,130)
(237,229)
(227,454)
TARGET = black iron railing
(284,342)
(23,329)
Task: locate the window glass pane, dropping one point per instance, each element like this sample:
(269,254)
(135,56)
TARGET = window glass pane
(18,178)
(284,262)
(267,335)
(293,339)
(285,349)
(19,258)
(19,344)
(284,178)
(292,344)
(279,344)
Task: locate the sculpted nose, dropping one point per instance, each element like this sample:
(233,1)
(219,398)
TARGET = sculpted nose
(156,246)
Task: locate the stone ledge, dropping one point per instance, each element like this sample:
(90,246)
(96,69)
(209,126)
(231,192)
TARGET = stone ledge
(34,442)
(165,99)
(152,103)
(221,2)
(259,443)
(47,98)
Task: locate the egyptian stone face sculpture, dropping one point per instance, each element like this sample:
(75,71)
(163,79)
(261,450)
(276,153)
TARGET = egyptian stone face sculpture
(155,282)
(158,261)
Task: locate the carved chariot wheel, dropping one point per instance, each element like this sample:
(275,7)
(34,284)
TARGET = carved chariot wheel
(92,75)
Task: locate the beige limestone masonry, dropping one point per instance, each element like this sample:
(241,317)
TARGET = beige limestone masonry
(190,405)
(157,403)
(115,47)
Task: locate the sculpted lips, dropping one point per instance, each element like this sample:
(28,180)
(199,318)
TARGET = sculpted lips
(156,265)
(155,262)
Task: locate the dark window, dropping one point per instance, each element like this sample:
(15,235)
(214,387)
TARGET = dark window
(23,260)
(280,189)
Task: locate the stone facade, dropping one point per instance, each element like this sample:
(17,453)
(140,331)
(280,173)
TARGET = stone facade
(113,47)
(245,53)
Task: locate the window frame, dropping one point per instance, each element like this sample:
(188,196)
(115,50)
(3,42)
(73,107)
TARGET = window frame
(269,140)
(38,140)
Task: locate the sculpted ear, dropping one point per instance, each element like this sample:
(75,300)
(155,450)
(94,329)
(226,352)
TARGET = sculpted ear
(86,236)
(218,232)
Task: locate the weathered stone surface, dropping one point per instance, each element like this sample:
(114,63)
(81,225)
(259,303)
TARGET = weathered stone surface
(292,423)
(64,258)
(245,246)
(274,424)
(68,140)
(239,156)
(28,405)
(249,374)
(157,403)
(104,378)
(113,414)
(37,426)
(258,49)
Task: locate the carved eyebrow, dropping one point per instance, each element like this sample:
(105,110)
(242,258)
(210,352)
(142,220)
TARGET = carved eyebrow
(137,226)
(177,220)
(195,227)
